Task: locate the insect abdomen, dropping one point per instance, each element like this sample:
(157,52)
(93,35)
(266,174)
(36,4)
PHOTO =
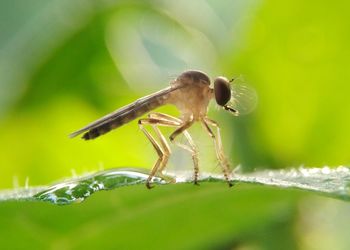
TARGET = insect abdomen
(124,118)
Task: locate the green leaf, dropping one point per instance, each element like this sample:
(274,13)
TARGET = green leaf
(325,181)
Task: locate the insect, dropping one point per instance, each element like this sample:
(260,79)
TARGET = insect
(191,93)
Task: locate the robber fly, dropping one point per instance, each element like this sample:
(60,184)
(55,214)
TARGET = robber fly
(190,93)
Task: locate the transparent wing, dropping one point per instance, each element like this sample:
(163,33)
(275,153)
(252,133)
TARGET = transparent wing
(127,113)
(243,97)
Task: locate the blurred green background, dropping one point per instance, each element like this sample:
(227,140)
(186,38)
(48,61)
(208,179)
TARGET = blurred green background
(65,63)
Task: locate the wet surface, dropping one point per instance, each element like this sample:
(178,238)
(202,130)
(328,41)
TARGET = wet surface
(79,189)
(333,182)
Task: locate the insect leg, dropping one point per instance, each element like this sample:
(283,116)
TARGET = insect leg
(192,148)
(167,120)
(218,147)
(194,152)
(162,150)
(164,120)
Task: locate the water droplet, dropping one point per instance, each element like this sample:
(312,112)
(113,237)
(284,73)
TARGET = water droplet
(79,189)
(326,170)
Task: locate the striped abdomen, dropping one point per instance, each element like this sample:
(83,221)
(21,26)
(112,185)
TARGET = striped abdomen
(124,115)
(122,119)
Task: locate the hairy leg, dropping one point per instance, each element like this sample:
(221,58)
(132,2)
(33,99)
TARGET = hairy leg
(225,165)
(162,149)
(182,129)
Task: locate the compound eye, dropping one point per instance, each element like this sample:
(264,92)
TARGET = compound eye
(222,90)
